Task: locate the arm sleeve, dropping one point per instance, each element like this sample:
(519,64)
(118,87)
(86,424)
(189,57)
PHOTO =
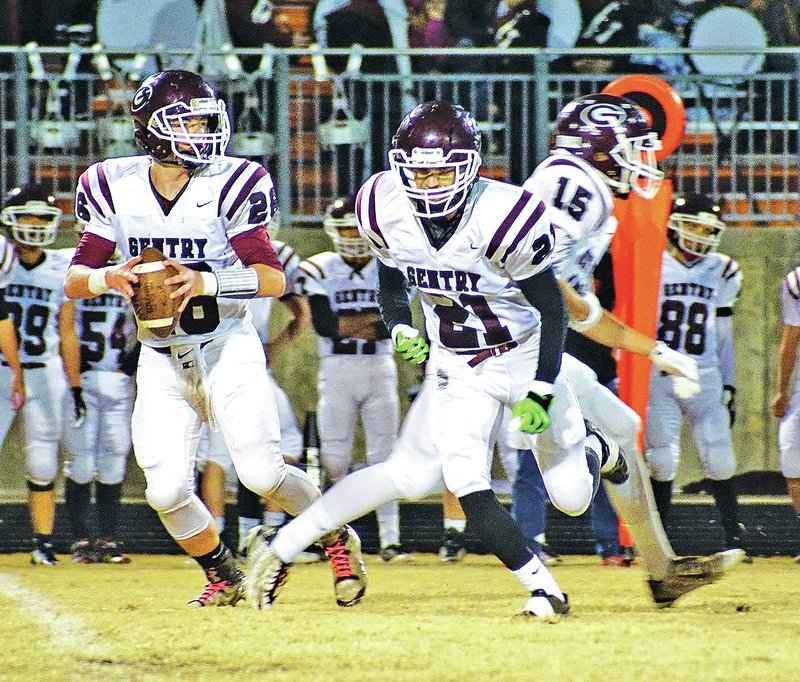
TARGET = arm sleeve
(542,292)
(323,319)
(393,296)
(3,305)
(725,348)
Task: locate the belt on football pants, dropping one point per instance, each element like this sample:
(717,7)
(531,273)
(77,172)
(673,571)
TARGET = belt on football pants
(481,355)
(29,365)
(167,350)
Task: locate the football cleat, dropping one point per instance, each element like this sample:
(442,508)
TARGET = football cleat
(349,572)
(394,553)
(688,573)
(547,608)
(547,555)
(82,551)
(44,554)
(453,548)
(223,593)
(266,573)
(107,551)
(613,467)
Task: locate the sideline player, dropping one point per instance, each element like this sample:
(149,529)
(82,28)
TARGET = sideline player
(699,288)
(97,451)
(49,351)
(786,402)
(357,372)
(208,214)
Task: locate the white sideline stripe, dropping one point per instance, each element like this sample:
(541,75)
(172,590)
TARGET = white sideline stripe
(65,631)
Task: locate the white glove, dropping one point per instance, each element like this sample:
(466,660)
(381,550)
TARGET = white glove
(672,362)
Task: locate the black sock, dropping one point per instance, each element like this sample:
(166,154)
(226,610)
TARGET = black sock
(42,539)
(724,496)
(77,500)
(662,492)
(107,501)
(248,503)
(495,528)
(219,564)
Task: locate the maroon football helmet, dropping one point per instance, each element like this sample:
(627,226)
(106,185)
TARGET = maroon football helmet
(165,109)
(22,204)
(341,214)
(695,225)
(612,134)
(436,135)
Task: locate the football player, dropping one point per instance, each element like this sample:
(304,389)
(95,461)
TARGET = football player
(699,288)
(49,351)
(208,214)
(97,450)
(786,402)
(602,147)
(357,372)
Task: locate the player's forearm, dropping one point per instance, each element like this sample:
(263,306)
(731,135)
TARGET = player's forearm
(614,333)
(725,352)
(271,281)
(393,297)
(76,283)
(787,359)
(71,357)
(8,345)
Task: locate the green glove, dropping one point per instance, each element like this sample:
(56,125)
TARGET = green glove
(410,344)
(530,413)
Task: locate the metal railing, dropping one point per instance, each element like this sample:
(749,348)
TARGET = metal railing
(322,134)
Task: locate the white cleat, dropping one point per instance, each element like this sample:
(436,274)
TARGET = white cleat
(544,607)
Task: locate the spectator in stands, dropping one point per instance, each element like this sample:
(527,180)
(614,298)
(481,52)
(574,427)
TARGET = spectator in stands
(427,30)
(786,402)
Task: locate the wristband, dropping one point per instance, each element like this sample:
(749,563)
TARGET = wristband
(232,283)
(593,317)
(210,284)
(97,281)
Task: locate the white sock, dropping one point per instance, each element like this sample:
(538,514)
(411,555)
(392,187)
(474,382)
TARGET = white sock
(456,524)
(389,523)
(535,576)
(220,521)
(246,524)
(274,519)
(355,495)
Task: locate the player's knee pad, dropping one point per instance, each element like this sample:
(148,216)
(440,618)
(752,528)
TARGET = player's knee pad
(662,463)
(80,471)
(719,462)
(111,470)
(164,496)
(42,472)
(186,519)
(262,480)
(335,464)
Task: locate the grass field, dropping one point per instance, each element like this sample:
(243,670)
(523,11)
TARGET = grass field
(420,621)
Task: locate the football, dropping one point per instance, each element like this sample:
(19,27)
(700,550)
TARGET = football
(155,310)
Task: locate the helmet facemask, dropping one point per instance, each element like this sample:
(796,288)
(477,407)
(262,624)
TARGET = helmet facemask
(346,247)
(435,202)
(636,157)
(41,233)
(696,235)
(172,124)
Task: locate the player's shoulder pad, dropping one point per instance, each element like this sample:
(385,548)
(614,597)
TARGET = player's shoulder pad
(239,177)
(316,266)
(367,206)
(519,214)
(730,268)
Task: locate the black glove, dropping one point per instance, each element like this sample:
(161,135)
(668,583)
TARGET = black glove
(729,400)
(80,407)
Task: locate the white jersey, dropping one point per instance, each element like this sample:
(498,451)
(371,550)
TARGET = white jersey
(349,291)
(107,330)
(227,198)
(34,297)
(8,258)
(790,307)
(467,298)
(261,308)
(688,303)
(579,203)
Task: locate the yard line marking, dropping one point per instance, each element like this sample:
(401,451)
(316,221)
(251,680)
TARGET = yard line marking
(65,630)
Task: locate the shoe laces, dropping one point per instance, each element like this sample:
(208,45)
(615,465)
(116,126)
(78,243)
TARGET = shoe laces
(212,589)
(339,557)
